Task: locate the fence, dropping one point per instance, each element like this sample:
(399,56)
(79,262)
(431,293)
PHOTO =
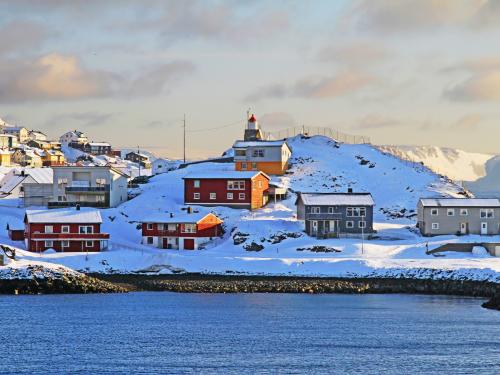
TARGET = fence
(318,130)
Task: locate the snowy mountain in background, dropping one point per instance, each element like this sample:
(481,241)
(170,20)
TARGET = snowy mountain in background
(489,185)
(457,164)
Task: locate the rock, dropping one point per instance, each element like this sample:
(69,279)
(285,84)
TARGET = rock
(254,246)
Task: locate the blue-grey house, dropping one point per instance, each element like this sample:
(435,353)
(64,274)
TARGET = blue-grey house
(332,214)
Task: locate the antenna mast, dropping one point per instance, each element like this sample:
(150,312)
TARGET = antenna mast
(184,126)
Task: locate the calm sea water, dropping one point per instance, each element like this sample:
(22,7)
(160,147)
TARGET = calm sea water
(152,333)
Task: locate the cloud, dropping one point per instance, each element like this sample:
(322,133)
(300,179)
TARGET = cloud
(63,77)
(481,86)
(343,83)
(467,122)
(52,76)
(423,15)
(80,119)
(22,35)
(354,54)
(374,121)
(277,120)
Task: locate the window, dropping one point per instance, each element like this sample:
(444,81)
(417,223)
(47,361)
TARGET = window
(314,225)
(349,224)
(89,243)
(356,211)
(244,166)
(150,226)
(486,213)
(61,198)
(435,226)
(434,212)
(254,166)
(362,224)
(229,195)
(172,227)
(150,240)
(235,185)
(160,226)
(464,212)
(241,196)
(213,196)
(49,229)
(196,196)
(259,184)
(86,229)
(196,183)
(65,229)
(331,210)
(188,228)
(258,153)
(100,181)
(315,210)
(49,243)
(450,212)
(64,243)
(240,152)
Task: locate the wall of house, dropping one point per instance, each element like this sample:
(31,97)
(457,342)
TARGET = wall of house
(451,224)
(118,192)
(340,216)
(259,198)
(37,194)
(268,167)
(218,186)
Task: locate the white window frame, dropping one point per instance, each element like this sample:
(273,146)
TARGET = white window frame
(435,226)
(349,224)
(196,184)
(487,212)
(172,227)
(254,166)
(148,239)
(450,212)
(149,226)
(188,228)
(89,242)
(314,225)
(49,243)
(235,185)
(434,211)
(258,153)
(464,212)
(315,209)
(196,195)
(331,210)
(229,196)
(65,243)
(213,196)
(64,228)
(49,229)
(85,229)
(244,165)
(160,226)
(362,224)
(241,196)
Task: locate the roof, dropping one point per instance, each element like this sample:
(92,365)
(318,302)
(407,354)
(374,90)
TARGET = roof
(178,217)
(337,199)
(111,168)
(252,118)
(246,175)
(460,202)
(85,215)
(102,144)
(40,175)
(244,144)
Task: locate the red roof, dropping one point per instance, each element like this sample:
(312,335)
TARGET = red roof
(252,119)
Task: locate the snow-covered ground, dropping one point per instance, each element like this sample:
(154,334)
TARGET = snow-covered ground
(319,164)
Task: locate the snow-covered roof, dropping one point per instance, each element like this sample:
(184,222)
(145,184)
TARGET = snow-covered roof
(85,215)
(40,175)
(178,217)
(460,202)
(7,135)
(224,175)
(244,144)
(99,144)
(337,199)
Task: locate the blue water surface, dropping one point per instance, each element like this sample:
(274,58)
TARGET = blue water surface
(159,333)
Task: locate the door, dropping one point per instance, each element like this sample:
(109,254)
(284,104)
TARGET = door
(463,228)
(165,243)
(314,227)
(484,228)
(188,243)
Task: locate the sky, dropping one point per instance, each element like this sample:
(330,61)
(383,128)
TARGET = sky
(412,72)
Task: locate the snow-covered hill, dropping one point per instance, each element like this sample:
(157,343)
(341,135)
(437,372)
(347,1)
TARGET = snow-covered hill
(457,164)
(488,185)
(318,164)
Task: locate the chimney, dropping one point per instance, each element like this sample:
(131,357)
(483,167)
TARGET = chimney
(171,214)
(189,210)
(22,173)
(349,190)
(77,206)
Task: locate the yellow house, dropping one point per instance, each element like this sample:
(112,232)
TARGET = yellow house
(270,157)
(52,158)
(5,158)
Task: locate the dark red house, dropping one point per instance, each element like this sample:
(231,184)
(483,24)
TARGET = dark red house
(182,231)
(66,230)
(227,188)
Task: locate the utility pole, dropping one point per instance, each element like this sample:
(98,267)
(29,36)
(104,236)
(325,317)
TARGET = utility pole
(184,126)
(139,156)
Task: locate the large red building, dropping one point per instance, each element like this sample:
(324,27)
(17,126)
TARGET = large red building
(227,188)
(184,231)
(65,230)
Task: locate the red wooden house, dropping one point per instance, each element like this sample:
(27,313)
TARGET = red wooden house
(227,188)
(66,230)
(184,231)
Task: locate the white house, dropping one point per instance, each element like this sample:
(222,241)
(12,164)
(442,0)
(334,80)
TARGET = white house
(37,135)
(162,166)
(20,132)
(75,136)
(11,186)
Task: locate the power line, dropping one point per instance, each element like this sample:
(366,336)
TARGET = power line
(215,128)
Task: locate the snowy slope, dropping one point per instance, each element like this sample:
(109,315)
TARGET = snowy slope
(488,185)
(318,164)
(457,164)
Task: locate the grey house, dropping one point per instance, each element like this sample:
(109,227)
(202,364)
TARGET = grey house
(327,215)
(440,216)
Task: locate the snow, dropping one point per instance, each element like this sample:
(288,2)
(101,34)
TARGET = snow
(244,144)
(224,174)
(84,215)
(337,199)
(318,164)
(460,202)
(177,217)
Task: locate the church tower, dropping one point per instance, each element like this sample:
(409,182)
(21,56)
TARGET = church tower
(252,131)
